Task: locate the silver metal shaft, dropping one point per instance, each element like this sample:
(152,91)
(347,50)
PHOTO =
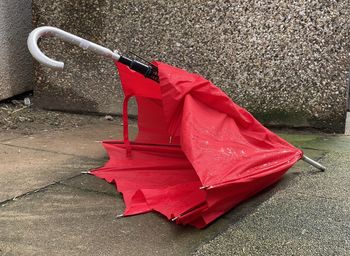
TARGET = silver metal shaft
(313,163)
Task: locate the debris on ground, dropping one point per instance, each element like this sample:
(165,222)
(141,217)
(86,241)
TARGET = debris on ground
(22,115)
(27,101)
(109,118)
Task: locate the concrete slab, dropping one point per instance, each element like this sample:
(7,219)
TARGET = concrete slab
(23,170)
(287,226)
(306,213)
(70,221)
(77,217)
(34,161)
(83,141)
(310,216)
(334,183)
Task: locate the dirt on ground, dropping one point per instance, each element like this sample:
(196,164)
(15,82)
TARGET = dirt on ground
(22,116)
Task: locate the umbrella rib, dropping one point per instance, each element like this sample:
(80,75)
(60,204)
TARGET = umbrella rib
(188,211)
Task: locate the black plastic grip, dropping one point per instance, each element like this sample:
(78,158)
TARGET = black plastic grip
(150,71)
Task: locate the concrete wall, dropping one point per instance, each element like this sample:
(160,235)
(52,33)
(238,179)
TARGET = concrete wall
(15,60)
(285,61)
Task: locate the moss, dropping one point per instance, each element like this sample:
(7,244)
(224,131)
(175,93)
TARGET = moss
(282,118)
(299,119)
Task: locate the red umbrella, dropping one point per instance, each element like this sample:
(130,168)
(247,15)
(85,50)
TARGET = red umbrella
(197,154)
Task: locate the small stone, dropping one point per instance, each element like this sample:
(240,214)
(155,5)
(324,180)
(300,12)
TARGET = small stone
(22,119)
(27,101)
(109,118)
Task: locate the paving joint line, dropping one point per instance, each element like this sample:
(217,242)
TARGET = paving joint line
(317,149)
(60,182)
(322,156)
(37,190)
(48,151)
(5,140)
(19,136)
(58,130)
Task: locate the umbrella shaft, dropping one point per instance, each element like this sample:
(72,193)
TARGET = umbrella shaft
(313,163)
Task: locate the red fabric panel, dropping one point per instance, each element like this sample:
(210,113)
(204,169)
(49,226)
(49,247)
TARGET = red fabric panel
(152,127)
(151,122)
(223,141)
(134,83)
(153,178)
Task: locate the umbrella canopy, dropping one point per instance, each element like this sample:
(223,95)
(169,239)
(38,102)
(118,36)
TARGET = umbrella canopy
(197,154)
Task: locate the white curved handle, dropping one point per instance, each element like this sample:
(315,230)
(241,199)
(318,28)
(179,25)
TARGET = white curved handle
(67,37)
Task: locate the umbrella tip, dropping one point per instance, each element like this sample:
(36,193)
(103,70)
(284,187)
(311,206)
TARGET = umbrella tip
(173,219)
(206,187)
(85,172)
(119,216)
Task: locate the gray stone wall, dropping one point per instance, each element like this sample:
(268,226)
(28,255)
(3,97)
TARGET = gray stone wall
(285,61)
(15,60)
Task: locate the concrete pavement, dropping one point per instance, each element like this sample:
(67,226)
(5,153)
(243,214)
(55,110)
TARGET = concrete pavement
(49,208)
(308,216)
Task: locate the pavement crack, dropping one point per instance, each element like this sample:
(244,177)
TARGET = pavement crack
(322,156)
(37,190)
(48,151)
(59,182)
(317,149)
(6,140)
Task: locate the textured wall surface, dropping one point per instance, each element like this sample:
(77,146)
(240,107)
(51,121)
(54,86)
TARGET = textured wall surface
(15,60)
(285,61)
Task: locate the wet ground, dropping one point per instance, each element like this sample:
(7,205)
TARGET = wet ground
(49,208)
